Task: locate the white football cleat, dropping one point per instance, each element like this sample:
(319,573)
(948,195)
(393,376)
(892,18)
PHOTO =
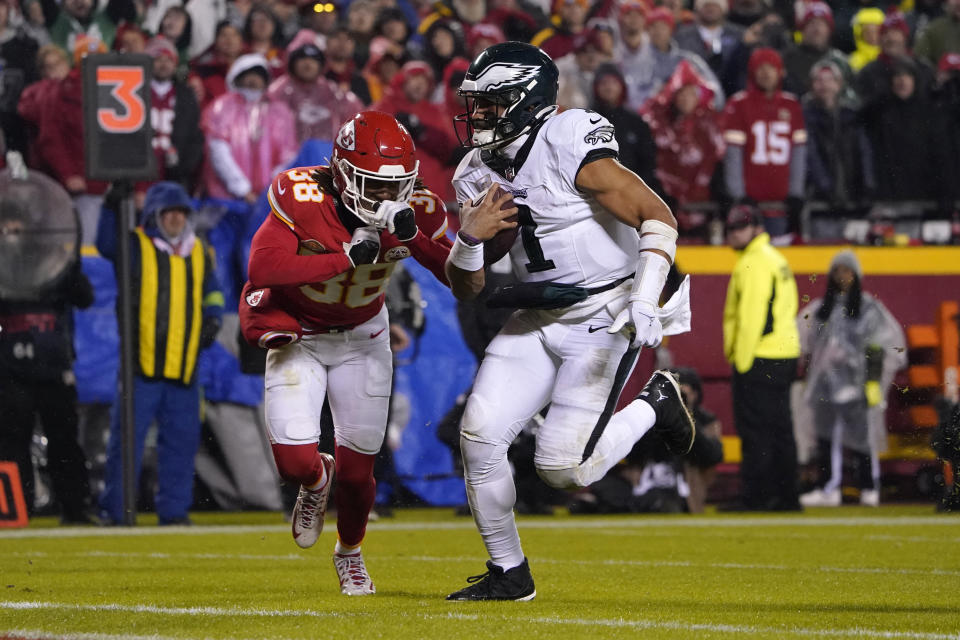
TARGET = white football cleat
(821,498)
(354,579)
(870,497)
(311,508)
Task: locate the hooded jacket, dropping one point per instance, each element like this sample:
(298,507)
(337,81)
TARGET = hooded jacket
(247,141)
(688,147)
(429,125)
(174,287)
(865,52)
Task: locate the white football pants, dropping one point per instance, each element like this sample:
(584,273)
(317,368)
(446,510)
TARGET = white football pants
(533,361)
(355,367)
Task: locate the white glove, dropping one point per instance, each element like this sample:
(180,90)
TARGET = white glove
(647,330)
(641,310)
(398,218)
(364,246)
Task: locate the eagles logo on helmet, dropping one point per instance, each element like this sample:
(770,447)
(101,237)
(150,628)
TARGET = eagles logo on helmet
(372,156)
(517,77)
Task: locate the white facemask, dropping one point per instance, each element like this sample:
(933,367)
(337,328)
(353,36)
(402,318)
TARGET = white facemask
(250,95)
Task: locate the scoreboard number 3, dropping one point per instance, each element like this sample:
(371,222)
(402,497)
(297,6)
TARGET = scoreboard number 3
(131,113)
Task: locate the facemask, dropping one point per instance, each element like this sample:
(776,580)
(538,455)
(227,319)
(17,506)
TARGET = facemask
(250,95)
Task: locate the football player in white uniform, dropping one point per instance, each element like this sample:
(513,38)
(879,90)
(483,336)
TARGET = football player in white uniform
(595,245)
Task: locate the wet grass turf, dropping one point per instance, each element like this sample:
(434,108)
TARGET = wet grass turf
(892,572)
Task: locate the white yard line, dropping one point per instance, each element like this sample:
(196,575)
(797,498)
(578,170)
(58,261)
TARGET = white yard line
(641,624)
(627,522)
(294,557)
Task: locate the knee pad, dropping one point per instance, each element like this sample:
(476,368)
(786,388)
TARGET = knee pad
(567,478)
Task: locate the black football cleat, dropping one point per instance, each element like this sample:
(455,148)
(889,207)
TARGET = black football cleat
(497,584)
(674,423)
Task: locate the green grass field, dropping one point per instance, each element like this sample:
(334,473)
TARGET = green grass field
(852,572)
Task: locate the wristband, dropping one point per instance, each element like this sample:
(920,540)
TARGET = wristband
(649,279)
(468,239)
(465,256)
(660,236)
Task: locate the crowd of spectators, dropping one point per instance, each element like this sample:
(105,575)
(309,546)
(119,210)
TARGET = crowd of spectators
(699,93)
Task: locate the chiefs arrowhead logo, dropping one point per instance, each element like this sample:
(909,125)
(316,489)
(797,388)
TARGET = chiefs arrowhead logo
(347,137)
(254,297)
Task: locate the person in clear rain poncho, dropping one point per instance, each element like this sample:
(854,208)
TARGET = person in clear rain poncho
(854,346)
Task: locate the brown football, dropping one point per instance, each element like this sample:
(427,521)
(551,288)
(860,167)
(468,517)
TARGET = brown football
(499,245)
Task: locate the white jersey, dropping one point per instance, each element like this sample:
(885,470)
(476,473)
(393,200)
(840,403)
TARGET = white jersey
(565,236)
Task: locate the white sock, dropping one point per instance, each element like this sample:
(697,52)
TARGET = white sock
(344,550)
(622,432)
(492,504)
(319,484)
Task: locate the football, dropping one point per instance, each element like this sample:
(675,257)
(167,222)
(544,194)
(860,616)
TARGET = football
(499,245)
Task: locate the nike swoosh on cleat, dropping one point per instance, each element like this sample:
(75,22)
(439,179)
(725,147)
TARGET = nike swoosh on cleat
(374,335)
(595,329)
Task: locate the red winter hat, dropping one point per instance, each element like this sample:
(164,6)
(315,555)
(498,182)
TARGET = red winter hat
(661,14)
(486,31)
(895,20)
(764,55)
(949,62)
(161,46)
(813,10)
(634,5)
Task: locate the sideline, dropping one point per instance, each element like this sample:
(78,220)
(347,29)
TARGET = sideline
(628,522)
(640,624)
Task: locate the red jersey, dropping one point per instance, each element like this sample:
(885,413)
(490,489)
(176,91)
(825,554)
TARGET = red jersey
(298,252)
(767,127)
(162,114)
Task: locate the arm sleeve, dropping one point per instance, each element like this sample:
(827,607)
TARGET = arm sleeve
(735,135)
(752,309)
(798,169)
(274,261)
(733,172)
(227,168)
(430,247)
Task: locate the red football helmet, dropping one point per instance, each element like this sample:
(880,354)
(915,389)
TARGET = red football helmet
(373,160)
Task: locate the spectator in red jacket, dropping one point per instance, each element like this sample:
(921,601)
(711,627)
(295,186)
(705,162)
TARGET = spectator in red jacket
(483,35)
(408,99)
(175,119)
(53,66)
(557,41)
(263,35)
(686,130)
(341,67)
(209,70)
(60,147)
(386,58)
(766,144)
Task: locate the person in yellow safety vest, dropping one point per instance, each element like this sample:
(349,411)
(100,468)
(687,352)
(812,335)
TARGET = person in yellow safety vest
(177,309)
(760,340)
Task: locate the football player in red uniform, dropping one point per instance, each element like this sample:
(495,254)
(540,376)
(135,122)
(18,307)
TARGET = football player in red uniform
(319,266)
(766,143)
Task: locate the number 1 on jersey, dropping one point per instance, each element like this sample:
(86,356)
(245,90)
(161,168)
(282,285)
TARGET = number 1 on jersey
(531,243)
